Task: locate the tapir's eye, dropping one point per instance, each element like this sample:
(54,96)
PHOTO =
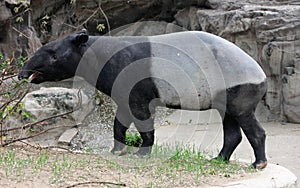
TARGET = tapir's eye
(54,57)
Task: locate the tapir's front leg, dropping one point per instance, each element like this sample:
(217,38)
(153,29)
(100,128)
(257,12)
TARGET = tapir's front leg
(121,124)
(119,138)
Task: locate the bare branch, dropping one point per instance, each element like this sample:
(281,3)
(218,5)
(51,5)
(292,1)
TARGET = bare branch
(97,182)
(21,33)
(103,13)
(18,102)
(34,135)
(91,16)
(46,147)
(38,122)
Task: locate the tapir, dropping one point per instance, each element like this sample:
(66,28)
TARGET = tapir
(191,70)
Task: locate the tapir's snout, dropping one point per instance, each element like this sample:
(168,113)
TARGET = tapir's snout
(33,77)
(23,75)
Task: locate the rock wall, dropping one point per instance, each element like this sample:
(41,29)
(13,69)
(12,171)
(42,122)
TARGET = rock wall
(268,30)
(270,33)
(17,37)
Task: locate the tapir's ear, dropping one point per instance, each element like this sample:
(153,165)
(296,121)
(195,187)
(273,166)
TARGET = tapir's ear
(81,37)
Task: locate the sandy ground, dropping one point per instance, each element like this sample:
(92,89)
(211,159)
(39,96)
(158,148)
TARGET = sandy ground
(204,130)
(201,131)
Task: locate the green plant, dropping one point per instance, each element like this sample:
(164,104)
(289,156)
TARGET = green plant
(45,24)
(100,27)
(134,140)
(9,66)
(20,10)
(11,93)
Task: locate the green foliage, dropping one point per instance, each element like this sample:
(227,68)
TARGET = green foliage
(15,110)
(4,64)
(44,23)
(11,92)
(20,10)
(19,19)
(134,140)
(100,27)
(9,66)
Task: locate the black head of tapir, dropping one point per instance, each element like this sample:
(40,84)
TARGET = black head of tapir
(57,60)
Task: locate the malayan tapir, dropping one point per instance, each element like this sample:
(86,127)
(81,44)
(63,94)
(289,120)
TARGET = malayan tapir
(188,70)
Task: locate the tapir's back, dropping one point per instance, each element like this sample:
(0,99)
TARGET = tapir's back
(209,51)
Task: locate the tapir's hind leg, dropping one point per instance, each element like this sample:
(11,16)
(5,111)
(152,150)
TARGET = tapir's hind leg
(146,130)
(143,100)
(241,104)
(232,137)
(256,136)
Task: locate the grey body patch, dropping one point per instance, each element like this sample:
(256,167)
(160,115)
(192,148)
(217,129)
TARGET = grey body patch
(198,66)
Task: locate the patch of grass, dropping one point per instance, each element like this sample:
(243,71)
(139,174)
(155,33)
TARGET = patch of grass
(183,167)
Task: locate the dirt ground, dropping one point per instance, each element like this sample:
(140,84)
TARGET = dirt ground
(23,167)
(27,167)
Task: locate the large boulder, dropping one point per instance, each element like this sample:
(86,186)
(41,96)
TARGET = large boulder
(51,101)
(54,101)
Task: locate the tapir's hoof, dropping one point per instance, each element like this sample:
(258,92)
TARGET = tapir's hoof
(259,165)
(143,152)
(119,152)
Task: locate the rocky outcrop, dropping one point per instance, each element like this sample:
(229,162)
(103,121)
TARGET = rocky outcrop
(17,37)
(52,101)
(269,32)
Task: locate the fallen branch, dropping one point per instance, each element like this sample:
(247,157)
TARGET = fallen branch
(34,135)
(98,182)
(46,147)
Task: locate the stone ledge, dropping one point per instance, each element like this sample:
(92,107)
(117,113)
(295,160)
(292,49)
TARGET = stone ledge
(273,176)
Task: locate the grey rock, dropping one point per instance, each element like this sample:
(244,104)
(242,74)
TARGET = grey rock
(5,13)
(291,95)
(18,38)
(68,136)
(47,102)
(269,32)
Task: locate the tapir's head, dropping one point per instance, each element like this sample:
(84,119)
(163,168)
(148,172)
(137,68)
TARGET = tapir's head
(56,60)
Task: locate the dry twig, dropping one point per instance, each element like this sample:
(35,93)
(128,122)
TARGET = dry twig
(37,123)
(34,135)
(98,182)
